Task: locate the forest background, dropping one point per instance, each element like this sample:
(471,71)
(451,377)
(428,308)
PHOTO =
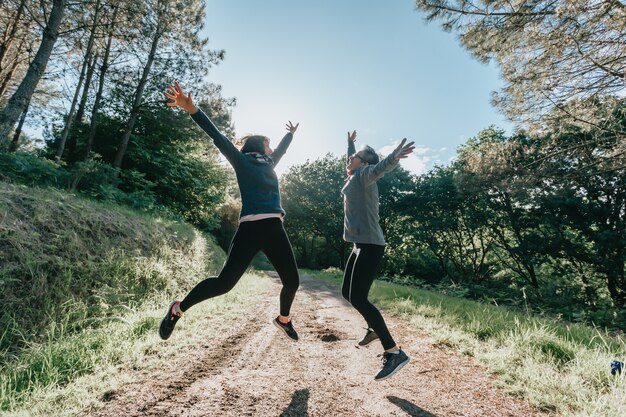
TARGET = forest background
(535,218)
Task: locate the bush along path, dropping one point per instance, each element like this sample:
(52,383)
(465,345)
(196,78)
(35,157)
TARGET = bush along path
(252,369)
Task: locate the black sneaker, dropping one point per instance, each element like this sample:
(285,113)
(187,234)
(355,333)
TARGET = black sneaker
(392,362)
(286,328)
(169,321)
(369,337)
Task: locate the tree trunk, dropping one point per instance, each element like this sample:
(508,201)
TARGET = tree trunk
(533,276)
(78,117)
(80,113)
(70,115)
(139,92)
(18,130)
(4,47)
(8,77)
(96,105)
(616,283)
(20,99)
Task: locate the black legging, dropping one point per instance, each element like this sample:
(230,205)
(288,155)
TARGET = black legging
(357,280)
(267,235)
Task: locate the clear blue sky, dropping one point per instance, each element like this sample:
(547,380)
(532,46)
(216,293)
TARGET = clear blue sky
(338,65)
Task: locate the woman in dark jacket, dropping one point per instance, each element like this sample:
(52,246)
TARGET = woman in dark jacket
(260,223)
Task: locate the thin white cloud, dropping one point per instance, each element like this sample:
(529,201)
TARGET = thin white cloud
(386,150)
(416,164)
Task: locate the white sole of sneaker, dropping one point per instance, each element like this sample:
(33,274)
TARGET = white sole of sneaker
(278,326)
(395,370)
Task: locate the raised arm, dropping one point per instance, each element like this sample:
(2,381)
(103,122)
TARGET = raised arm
(284,143)
(185,102)
(351,148)
(373,173)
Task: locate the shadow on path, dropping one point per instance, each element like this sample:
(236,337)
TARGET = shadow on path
(299,405)
(408,407)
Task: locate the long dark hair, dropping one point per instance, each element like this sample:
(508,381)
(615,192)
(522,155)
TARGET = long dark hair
(254,143)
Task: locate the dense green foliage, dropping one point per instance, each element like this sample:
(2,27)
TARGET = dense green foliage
(169,165)
(315,212)
(107,131)
(170,169)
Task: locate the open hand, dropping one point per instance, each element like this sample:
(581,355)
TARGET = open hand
(181,100)
(403,151)
(291,128)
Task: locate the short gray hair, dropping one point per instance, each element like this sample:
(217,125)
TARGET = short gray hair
(369,155)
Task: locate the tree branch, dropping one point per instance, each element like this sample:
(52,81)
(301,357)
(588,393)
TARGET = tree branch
(479,12)
(594,62)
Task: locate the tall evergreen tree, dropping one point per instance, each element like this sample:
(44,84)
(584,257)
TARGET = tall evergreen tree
(550,52)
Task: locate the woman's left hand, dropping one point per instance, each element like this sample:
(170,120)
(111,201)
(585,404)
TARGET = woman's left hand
(291,128)
(403,151)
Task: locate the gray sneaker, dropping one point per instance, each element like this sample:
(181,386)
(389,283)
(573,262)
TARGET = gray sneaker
(369,337)
(392,362)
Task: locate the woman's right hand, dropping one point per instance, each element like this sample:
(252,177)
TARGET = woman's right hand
(181,100)
(352,136)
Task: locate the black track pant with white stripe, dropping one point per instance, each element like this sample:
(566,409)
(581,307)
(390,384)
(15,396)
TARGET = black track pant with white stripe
(358,277)
(267,235)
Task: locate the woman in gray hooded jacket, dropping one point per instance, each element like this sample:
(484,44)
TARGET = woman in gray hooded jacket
(361,227)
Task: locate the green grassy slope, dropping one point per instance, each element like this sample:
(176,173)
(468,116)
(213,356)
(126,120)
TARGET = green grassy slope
(71,268)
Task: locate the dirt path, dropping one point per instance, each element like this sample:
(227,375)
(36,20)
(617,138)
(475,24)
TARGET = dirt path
(254,370)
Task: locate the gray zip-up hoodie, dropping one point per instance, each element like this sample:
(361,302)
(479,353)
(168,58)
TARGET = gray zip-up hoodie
(360,201)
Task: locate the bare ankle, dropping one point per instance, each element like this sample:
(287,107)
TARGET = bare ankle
(177,310)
